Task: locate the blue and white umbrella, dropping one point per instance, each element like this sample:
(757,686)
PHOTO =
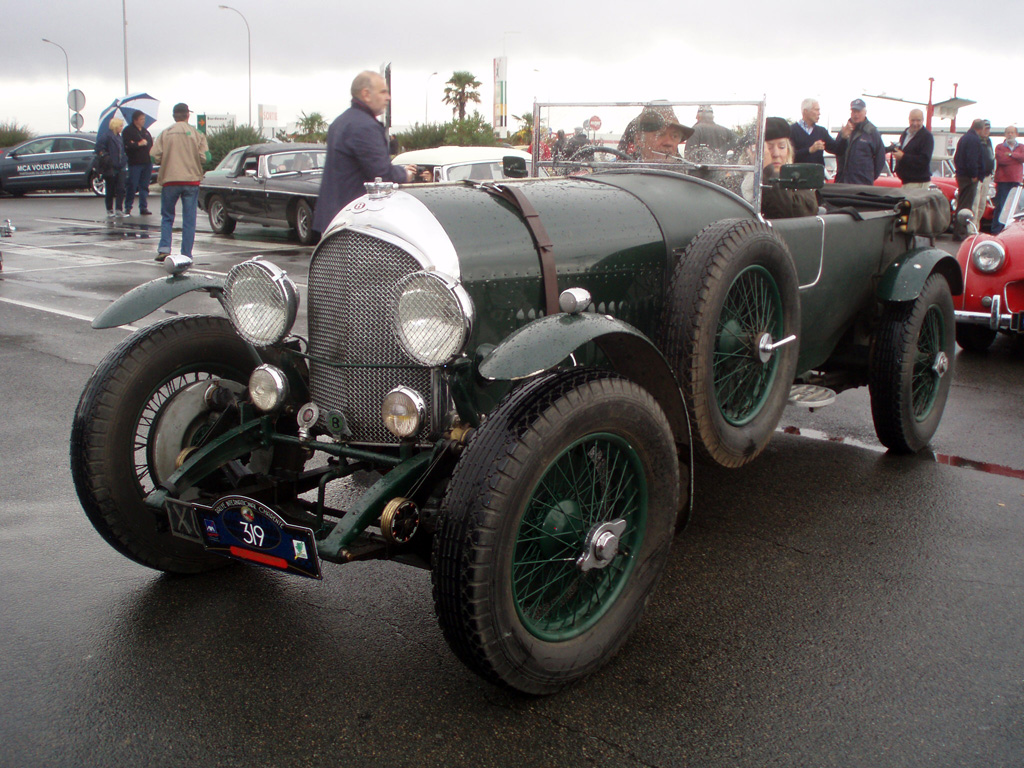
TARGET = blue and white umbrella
(125,107)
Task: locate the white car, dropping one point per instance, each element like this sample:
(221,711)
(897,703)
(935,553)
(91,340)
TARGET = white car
(461,163)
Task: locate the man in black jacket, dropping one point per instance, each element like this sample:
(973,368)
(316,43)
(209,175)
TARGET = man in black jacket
(914,153)
(859,147)
(137,144)
(969,162)
(810,140)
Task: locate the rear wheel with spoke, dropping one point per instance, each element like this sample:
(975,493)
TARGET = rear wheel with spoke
(911,367)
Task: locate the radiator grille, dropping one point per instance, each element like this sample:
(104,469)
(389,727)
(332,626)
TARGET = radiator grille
(351,287)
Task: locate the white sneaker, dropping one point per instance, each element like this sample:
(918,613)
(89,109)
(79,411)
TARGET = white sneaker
(110,214)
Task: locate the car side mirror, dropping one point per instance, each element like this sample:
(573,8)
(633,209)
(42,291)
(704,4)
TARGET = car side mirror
(514,167)
(802,176)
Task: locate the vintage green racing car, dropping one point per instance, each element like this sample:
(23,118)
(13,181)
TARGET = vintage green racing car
(523,373)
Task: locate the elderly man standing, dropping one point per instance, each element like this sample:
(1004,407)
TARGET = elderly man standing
(914,153)
(357,150)
(810,140)
(969,165)
(860,149)
(1009,172)
(180,150)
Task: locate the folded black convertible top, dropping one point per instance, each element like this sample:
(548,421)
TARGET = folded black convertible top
(929,209)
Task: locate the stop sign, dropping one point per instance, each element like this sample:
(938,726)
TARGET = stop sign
(595,123)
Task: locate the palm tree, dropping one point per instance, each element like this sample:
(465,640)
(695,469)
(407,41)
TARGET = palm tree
(525,133)
(312,127)
(459,91)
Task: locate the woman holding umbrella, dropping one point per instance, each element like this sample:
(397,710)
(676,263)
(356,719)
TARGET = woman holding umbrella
(113,164)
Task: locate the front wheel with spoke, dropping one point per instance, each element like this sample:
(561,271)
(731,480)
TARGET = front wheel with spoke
(555,529)
(143,407)
(911,367)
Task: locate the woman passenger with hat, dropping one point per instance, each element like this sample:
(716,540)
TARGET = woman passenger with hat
(776,202)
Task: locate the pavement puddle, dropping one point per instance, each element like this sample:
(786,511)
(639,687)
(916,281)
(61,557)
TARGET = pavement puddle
(939,458)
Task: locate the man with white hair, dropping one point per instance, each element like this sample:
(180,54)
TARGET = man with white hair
(914,153)
(810,140)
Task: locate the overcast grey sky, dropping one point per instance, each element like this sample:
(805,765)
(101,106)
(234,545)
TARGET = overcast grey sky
(304,55)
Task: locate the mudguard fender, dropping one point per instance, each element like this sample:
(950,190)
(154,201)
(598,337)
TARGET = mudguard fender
(905,277)
(148,297)
(546,342)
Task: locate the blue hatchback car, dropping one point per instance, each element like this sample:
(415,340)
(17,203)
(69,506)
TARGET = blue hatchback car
(57,161)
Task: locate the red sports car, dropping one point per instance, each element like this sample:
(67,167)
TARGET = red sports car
(993,267)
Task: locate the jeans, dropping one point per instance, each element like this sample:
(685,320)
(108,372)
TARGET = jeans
(115,189)
(189,194)
(138,181)
(1003,189)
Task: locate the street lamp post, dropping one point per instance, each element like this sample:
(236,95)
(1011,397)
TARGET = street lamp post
(67,75)
(248,33)
(426,98)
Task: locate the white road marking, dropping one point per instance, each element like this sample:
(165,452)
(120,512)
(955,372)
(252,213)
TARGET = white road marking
(61,312)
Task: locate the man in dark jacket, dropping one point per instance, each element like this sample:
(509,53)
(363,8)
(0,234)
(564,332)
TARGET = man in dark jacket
(810,140)
(969,163)
(137,144)
(859,147)
(914,153)
(357,150)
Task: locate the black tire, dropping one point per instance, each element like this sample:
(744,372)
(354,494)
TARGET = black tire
(220,222)
(973,337)
(911,367)
(98,184)
(495,582)
(304,224)
(114,448)
(712,335)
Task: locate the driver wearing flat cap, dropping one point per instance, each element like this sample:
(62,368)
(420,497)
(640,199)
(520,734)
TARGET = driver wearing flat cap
(654,135)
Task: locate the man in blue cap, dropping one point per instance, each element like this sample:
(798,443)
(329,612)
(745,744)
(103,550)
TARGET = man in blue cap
(859,148)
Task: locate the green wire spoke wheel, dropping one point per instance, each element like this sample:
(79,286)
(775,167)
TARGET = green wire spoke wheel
(555,529)
(911,367)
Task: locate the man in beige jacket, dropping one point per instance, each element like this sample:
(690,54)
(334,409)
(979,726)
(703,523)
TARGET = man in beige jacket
(180,150)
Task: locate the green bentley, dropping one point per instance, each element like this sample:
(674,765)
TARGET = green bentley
(509,383)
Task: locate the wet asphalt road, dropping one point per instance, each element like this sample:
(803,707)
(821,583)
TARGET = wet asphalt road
(829,605)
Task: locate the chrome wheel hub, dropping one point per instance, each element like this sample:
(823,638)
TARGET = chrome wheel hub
(601,545)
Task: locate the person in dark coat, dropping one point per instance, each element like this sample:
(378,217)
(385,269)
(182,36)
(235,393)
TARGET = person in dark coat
(116,166)
(914,153)
(970,167)
(137,144)
(861,154)
(357,150)
(810,140)
(776,202)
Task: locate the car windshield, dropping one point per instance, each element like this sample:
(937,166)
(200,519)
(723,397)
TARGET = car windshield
(230,161)
(715,141)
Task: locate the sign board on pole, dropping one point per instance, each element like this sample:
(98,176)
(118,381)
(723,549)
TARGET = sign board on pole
(77,121)
(76,100)
(595,123)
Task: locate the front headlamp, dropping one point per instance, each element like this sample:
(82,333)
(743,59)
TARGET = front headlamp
(261,301)
(988,256)
(433,317)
